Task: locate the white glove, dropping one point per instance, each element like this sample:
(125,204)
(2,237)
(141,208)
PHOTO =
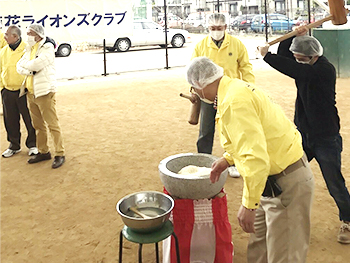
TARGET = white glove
(264,49)
(28,48)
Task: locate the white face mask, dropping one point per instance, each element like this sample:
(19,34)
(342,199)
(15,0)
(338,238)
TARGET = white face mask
(203,99)
(31,40)
(303,62)
(217,35)
(207,101)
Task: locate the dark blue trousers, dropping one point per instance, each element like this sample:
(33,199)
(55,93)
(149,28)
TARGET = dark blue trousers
(327,152)
(206,129)
(13,108)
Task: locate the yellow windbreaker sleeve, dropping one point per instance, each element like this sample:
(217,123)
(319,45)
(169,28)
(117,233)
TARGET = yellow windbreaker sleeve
(256,135)
(2,40)
(244,66)
(245,139)
(1,84)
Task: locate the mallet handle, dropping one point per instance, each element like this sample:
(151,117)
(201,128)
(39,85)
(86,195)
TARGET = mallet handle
(195,108)
(293,33)
(186,96)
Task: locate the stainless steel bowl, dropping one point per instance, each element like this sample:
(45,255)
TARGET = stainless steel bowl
(154,204)
(187,186)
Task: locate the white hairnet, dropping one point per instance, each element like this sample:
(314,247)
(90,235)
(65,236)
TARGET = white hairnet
(307,46)
(37,28)
(202,71)
(216,19)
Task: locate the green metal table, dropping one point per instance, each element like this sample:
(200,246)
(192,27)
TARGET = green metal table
(148,238)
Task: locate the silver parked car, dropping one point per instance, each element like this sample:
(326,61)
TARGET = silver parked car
(148,33)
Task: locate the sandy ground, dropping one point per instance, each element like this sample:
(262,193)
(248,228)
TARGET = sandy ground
(116,130)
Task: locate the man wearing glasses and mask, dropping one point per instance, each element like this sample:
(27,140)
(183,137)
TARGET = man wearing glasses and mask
(267,150)
(229,53)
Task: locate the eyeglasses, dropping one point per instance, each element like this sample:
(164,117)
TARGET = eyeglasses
(193,91)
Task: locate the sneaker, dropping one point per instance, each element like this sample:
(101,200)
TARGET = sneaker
(232,172)
(33,151)
(40,157)
(9,152)
(344,233)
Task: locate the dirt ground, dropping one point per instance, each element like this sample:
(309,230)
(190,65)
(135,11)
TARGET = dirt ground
(116,131)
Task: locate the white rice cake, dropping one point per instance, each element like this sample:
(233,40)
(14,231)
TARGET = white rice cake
(194,170)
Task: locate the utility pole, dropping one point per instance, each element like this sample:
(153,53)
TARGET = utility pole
(266,32)
(166,35)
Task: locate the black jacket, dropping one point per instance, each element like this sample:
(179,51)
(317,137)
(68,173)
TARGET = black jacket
(50,40)
(315,110)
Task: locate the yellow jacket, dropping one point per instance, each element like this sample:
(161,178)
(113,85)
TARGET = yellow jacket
(9,78)
(256,135)
(2,40)
(232,56)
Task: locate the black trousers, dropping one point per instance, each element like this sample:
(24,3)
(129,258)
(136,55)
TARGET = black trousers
(13,108)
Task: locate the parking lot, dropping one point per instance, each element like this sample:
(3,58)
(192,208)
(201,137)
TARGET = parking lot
(91,62)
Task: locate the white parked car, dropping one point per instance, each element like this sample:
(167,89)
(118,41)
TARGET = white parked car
(148,33)
(63,49)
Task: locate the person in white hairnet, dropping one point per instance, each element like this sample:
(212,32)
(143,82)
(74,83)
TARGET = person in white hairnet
(316,114)
(230,53)
(38,64)
(267,150)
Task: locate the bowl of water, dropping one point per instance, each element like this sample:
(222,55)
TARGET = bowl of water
(145,211)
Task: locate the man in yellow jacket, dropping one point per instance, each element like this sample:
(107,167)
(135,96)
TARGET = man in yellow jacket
(229,53)
(2,40)
(13,105)
(267,150)
(2,44)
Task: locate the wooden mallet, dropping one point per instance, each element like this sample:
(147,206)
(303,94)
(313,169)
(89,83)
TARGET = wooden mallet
(338,17)
(195,108)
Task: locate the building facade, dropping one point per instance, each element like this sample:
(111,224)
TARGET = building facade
(291,8)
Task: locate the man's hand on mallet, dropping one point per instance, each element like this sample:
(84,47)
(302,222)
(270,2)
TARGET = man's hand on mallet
(302,30)
(263,49)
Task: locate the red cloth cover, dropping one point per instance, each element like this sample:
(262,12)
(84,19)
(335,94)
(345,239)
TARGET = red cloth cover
(203,231)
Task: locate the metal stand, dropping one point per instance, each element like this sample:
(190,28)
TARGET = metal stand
(148,238)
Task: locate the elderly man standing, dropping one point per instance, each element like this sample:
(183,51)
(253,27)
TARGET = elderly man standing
(2,40)
(316,114)
(267,150)
(229,53)
(2,44)
(38,63)
(13,105)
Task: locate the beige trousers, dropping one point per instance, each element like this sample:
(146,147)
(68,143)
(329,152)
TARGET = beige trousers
(43,112)
(282,224)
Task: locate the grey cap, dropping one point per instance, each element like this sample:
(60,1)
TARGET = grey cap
(307,46)
(37,28)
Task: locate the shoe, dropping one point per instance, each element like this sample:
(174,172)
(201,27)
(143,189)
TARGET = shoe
(9,152)
(232,172)
(58,161)
(33,151)
(40,157)
(344,233)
